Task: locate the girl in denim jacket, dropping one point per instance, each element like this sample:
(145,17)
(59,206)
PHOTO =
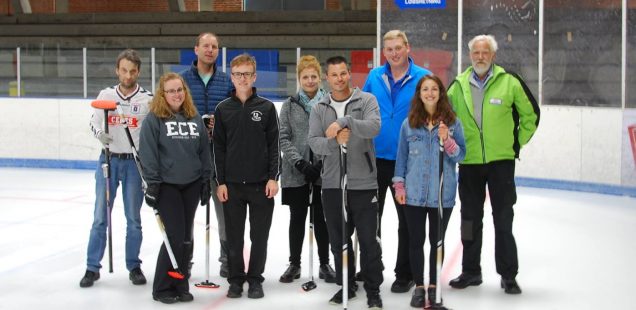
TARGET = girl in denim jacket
(416,179)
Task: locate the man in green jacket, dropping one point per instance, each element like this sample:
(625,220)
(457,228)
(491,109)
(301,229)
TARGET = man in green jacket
(499,115)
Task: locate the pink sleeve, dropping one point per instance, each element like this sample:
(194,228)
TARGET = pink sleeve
(399,188)
(450,146)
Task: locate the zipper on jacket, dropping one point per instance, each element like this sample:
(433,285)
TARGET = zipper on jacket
(481,131)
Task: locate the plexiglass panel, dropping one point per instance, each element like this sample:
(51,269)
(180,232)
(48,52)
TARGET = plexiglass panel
(51,72)
(101,69)
(8,77)
(515,25)
(582,53)
(631,54)
(275,71)
(432,34)
(360,62)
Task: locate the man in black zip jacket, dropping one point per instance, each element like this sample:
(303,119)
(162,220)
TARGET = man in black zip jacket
(247,160)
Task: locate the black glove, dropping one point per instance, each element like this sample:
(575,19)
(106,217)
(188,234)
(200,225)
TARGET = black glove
(152,195)
(311,172)
(205,192)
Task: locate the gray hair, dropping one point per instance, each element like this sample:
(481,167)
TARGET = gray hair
(490,39)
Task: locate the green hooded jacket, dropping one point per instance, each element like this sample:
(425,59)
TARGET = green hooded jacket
(510,116)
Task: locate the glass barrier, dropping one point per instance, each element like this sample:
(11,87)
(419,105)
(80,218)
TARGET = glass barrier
(101,65)
(8,76)
(51,72)
(360,62)
(432,34)
(275,69)
(631,56)
(515,26)
(582,53)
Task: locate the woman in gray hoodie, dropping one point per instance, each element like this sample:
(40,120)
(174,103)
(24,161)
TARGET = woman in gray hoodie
(175,155)
(301,171)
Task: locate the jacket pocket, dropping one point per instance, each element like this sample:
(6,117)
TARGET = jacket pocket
(369,163)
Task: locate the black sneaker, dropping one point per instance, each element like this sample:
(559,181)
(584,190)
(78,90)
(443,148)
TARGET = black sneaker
(327,273)
(510,286)
(137,277)
(292,272)
(223,271)
(418,298)
(235,291)
(465,280)
(359,276)
(432,294)
(374,301)
(185,297)
(402,286)
(166,299)
(255,291)
(89,278)
(337,299)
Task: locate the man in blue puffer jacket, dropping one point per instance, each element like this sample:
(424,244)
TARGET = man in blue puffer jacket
(208,87)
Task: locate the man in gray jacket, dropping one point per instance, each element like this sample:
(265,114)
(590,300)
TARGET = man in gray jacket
(349,118)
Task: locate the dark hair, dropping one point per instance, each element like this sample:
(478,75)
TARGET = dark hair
(418,116)
(335,60)
(130,55)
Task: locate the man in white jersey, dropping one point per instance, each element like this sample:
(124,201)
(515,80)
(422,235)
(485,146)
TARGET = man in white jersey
(134,102)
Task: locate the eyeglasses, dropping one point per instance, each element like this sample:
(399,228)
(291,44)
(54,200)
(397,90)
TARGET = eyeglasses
(242,74)
(174,91)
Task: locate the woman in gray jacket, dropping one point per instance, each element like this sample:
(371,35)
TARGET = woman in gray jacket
(301,171)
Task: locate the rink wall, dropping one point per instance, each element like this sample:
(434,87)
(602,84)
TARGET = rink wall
(575,148)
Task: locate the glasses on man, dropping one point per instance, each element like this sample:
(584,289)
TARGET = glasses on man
(238,75)
(174,91)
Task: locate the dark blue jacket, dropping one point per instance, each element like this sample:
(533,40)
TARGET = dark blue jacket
(207,97)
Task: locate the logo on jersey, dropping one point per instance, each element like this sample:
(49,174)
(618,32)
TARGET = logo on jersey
(135,108)
(114,119)
(257,116)
(181,130)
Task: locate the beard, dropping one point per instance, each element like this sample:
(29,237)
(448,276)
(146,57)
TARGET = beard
(481,69)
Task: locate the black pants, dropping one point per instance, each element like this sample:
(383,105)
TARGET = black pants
(298,200)
(177,208)
(473,179)
(362,214)
(240,197)
(416,221)
(386,170)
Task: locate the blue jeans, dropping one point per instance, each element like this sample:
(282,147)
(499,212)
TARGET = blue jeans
(124,171)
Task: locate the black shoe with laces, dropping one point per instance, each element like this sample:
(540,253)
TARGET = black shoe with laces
(137,276)
(432,294)
(374,301)
(292,272)
(327,273)
(465,280)
(235,291)
(255,291)
(510,286)
(89,278)
(418,298)
(402,286)
(359,277)
(185,297)
(337,298)
(166,299)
